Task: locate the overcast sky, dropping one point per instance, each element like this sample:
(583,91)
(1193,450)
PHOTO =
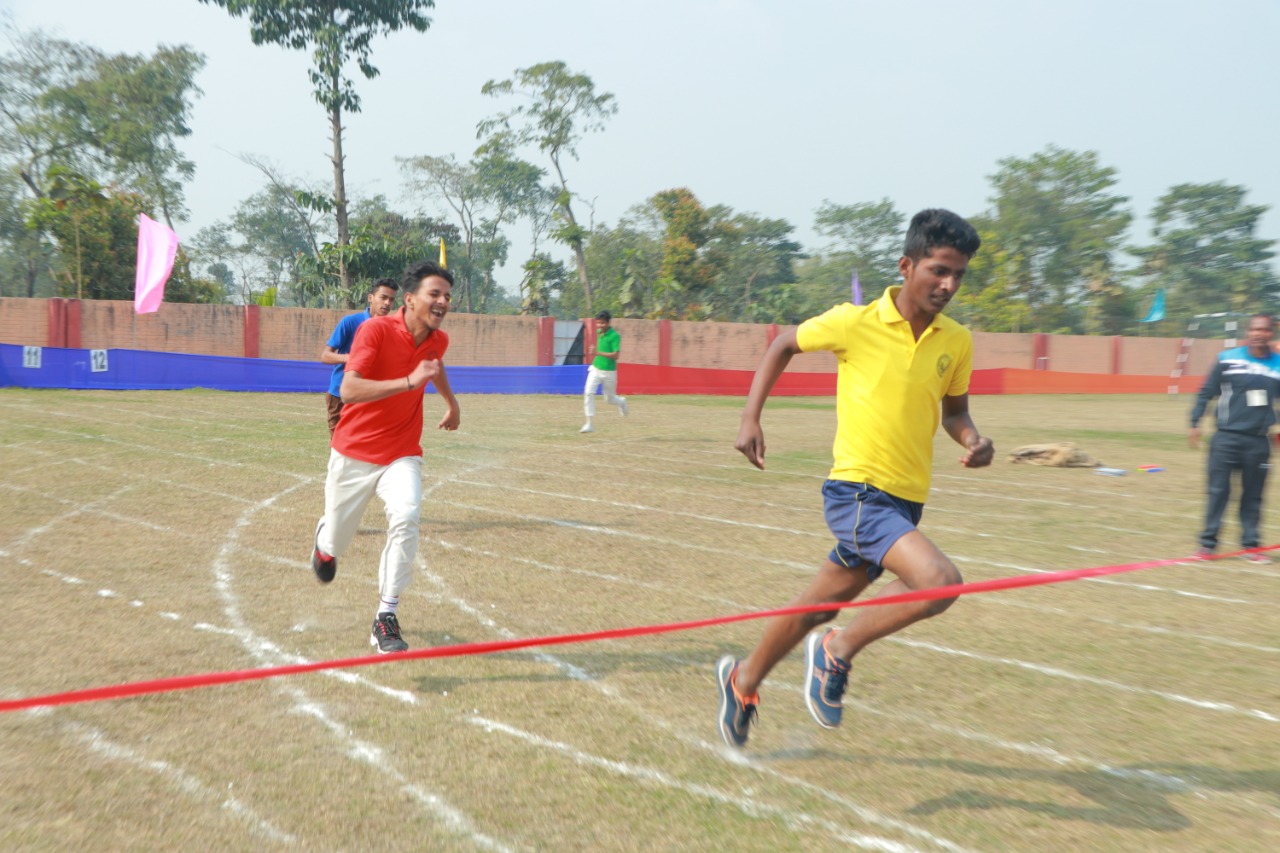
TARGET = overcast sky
(768,107)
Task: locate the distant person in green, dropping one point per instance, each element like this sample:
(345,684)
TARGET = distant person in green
(603,372)
(904,369)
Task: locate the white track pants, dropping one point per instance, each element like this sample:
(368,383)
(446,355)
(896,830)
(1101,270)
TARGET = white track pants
(347,491)
(595,379)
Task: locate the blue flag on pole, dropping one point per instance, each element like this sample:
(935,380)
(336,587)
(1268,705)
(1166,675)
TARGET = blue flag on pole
(1156,313)
(857,289)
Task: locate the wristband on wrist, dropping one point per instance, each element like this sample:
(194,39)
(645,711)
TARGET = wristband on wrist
(408,386)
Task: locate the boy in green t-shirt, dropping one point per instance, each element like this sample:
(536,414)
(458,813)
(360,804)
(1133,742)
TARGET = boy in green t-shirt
(603,370)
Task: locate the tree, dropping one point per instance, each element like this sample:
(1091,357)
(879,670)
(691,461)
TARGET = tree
(1207,254)
(562,107)
(127,114)
(29,141)
(337,32)
(1055,212)
(383,242)
(97,230)
(685,278)
(112,118)
(865,237)
(24,257)
(754,262)
(484,195)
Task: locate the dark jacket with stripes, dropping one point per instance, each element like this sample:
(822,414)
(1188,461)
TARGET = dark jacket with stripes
(1232,379)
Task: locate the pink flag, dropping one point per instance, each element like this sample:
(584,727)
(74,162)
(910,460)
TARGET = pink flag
(856,288)
(157,247)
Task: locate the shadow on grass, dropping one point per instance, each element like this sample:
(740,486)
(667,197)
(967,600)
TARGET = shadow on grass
(1135,797)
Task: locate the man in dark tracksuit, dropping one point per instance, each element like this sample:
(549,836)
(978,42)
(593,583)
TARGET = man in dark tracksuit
(1247,382)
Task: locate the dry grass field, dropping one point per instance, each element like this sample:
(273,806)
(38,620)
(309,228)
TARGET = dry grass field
(147,535)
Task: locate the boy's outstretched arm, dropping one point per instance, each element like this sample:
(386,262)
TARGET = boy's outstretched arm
(959,425)
(750,436)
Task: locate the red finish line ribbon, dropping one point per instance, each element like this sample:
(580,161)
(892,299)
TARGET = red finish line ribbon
(187,682)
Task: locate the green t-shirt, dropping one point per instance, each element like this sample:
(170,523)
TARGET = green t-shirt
(609,341)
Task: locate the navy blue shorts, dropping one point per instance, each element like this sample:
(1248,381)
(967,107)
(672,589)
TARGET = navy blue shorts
(866,522)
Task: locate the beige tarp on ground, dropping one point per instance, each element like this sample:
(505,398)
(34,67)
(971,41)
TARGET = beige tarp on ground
(1062,454)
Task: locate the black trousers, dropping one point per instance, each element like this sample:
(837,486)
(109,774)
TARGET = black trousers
(1251,456)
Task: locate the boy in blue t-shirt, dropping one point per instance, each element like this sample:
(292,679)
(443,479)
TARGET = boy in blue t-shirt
(382,298)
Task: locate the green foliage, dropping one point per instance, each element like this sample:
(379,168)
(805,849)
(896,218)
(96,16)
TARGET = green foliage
(114,118)
(336,32)
(1061,227)
(558,108)
(672,257)
(383,242)
(96,231)
(543,279)
(1207,255)
(125,115)
(484,195)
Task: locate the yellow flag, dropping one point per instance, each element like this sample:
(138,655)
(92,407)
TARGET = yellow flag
(444,260)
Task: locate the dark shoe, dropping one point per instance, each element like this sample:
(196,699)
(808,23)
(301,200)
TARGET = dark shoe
(386,634)
(824,681)
(1203,553)
(322,564)
(736,711)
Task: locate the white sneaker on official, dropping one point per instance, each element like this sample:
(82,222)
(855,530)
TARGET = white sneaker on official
(622,407)
(587,428)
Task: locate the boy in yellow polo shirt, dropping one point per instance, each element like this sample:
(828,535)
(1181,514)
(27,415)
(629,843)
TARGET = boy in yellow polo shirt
(903,369)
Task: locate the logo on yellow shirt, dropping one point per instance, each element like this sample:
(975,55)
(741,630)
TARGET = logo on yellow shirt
(944,361)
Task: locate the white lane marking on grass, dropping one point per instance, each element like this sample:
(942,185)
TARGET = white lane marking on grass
(1057,672)
(626,534)
(378,759)
(1220,706)
(506,487)
(76,508)
(96,741)
(1145,587)
(1166,780)
(613,694)
(586,573)
(265,652)
(1179,633)
(749,806)
(806,567)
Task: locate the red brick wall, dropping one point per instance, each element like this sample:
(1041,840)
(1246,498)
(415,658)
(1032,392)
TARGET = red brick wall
(24,321)
(298,334)
(176,327)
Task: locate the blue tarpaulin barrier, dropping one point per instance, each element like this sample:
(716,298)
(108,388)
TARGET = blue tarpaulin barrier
(124,369)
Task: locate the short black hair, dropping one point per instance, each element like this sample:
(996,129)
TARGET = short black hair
(604,315)
(936,228)
(414,275)
(384,282)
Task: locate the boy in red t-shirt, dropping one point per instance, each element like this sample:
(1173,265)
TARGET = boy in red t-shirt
(377,448)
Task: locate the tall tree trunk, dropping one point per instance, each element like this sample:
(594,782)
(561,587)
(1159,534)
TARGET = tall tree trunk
(579,255)
(339,187)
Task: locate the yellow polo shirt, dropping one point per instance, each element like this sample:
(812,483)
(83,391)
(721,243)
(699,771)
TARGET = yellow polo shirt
(889,390)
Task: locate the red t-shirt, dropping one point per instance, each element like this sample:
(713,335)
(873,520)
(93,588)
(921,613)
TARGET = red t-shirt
(391,428)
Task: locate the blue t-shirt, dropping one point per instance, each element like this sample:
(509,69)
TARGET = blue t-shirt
(340,342)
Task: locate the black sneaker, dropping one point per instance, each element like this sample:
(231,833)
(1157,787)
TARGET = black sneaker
(386,634)
(323,565)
